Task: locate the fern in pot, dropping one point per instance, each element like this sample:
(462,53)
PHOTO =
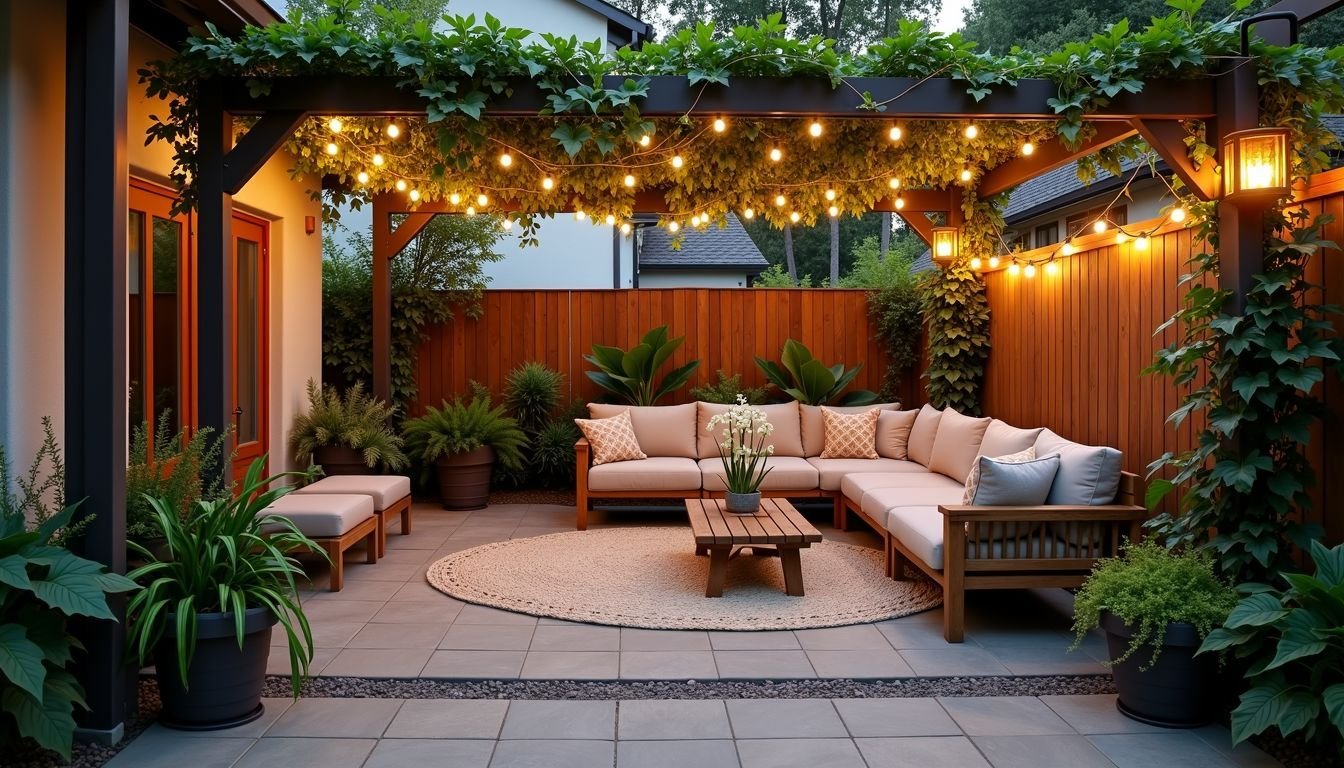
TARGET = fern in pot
(226,576)
(462,442)
(744,453)
(348,434)
(1156,607)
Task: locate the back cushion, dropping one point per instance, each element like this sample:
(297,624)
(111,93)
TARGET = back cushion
(957,444)
(1088,474)
(922,433)
(662,430)
(786,437)
(1002,439)
(893,433)
(814,432)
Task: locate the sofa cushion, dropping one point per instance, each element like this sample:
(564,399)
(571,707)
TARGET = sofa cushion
(662,430)
(323,515)
(855,484)
(830,471)
(893,433)
(786,435)
(1002,439)
(849,435)
(957,444)
(1088,474)
(385,490)
(814,430)
(612,439)
(787,473)
(973,479)
(922,433)
(876,502)
(920,530)
(1016,483)
(659,473)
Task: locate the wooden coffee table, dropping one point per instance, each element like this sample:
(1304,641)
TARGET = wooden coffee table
(776,528)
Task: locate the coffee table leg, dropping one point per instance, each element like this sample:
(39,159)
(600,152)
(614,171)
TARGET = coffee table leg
(701,550)
(718,570)
(793,571)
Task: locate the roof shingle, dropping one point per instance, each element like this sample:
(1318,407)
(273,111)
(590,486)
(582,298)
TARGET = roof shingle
(708,248)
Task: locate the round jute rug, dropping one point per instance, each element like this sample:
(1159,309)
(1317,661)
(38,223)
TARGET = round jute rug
(650,577)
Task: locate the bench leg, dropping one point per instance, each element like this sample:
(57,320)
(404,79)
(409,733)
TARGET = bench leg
(718,569)
(380,540)
(372,545)
(898,562)
(839,515)
(581,505)
(406,519)
(793,570)
(337,556)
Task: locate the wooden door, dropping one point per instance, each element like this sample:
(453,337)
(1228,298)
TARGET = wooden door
(251,256)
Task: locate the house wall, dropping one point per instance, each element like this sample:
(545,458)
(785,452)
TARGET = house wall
(692,278)
(32,234)
(1148,199)
(557,17)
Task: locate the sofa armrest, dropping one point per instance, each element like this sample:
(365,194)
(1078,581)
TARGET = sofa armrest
(583,453)
(968,513)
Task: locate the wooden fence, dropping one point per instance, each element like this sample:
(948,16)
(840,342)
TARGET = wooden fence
(724,329)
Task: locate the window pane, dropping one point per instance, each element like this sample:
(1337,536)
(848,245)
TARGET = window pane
(247,313)
(135,320)
(165,341)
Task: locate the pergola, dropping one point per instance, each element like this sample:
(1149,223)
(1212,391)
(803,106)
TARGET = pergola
(96,295)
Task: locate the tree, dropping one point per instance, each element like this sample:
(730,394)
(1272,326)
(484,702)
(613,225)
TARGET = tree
(835,251)
(1042,25)
(365,17)
(812,245)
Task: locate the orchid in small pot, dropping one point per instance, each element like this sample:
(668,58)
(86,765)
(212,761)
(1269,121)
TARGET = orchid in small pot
(744,453)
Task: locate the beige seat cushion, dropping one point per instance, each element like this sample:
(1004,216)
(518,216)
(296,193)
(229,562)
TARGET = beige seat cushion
(854,485)
(660,473)
(386,490)
(876,502)
(814,430)
(831,471)
(893,433)
(920,530)
(787,437)
(612,439)
(787,473)
(323,515)
(662,430)
(849,435)
(957,444)
(1002,439)
(920,445)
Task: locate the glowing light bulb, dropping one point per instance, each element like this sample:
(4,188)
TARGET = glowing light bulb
(780,200)
(1014,269)
(610,220)
(1067,249)
(900,202)
(332,148)
(1028,148)
(775,154)
(673,226)
(1100,226)
(400,185)
(814,130)
(629,180)
(482,200)
(677,161)
(378,160)
(645,140)
(719,125)
(894,183)
(454,198)
(795,217)
(966,173)
(335,125)
(1051,267)
(506,159)
(972,131)
(975,262)
(830,194)
(507,224)
(393,130)
(1178,215)
(695,220)
(625,228)
(578,215)
(548,183)
(1029,270)
(362,177)
(1121,238)
(1141,243)
(415,195)
(895,133)
(833,211)
(471,211)
(993,262)
(748,214)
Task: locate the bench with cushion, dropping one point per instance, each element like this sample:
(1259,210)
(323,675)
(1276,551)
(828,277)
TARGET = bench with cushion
(335,521)
(391,496)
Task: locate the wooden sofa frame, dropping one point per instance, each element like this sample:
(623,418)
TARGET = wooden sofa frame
(335,546)
(963,570)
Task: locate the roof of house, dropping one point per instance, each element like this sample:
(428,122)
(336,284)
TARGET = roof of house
(622,28)
(1060,187)
(729,247)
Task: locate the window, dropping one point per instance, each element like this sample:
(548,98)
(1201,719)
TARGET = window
(1021,241)
(1047,234)
(1081,223)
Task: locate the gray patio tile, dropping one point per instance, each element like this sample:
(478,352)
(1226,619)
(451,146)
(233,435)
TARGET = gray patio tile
(560,720)
(475,665)
(369,662)
(859,664)
(326,634)
(953,661)
(1004,716)
(676,754)
(872,718)
(652,719)
(782,640)
(571,665)
(163,748)
(416,591)
(576,637)
(1146,750)
(278,662)
(922,752)
(455,544)
(668,665)
(488,637)
(441,611)
(912,632)
(448,719)
(389,636)
(1041,752)
(419,540)
(860,637)
(799,753)
(399,573)
(1047,661)
(754,665)
(784,718)
(482,614)
(486,530)
(405,557)
(439,753)
(339,611)
(500,512)
(336,718)
(663,640)
(360,589)
(306,753)
(1096,714)
(553,754)
(1243,754)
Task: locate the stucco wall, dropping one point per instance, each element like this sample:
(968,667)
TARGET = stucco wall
(691,278)
(568,254)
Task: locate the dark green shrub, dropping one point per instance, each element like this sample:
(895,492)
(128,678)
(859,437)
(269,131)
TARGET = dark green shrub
(898,321)
(531,394)
(553,453)
(458,428)
(726,389)
(356,420)
(171,467)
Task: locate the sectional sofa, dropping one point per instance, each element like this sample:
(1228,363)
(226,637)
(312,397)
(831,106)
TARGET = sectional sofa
(911,494)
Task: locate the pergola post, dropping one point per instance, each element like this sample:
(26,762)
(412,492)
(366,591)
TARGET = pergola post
(1241,232)
(214,278)
(387,243)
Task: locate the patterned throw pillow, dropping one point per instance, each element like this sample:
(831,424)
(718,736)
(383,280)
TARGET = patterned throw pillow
(612,439)
(849,435)
(973,479)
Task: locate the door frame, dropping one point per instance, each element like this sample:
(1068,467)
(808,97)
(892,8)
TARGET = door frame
(263,338)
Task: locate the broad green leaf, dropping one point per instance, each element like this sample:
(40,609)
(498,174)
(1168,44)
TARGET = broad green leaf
(1299,639)
(1255,611)
(50,723)
(1329,563)
(74,594)
(21,660)
(1333,698)
(14,571)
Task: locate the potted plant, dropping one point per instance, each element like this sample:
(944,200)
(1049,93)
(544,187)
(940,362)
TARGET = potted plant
(346,435)
(809,381)
(208,605)
(1156,606)
(743,452)
(463,442)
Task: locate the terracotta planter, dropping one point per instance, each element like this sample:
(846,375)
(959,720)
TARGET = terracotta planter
(224,681)
(1179,691)
(340,460)
(464,478)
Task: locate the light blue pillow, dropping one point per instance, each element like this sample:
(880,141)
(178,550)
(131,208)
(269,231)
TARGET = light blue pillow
(1015,484)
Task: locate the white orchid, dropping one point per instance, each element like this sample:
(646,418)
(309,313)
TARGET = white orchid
(743,450)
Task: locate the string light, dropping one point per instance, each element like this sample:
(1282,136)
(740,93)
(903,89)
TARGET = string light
(966,172)
(548,183)
(775,154)
(400,185)
(1120,237)
(482,200)
(677,162)
(629,180)
(507,224)
(1099,226)
(673,226)
(393,130)
(1014,269)
(1052,267)
(748,214)
(975,263)
(1029,271)
(1028,148)
(814,130)
(972,131)
(895,133)
(611,220)
(830,194)
(833,211)
(645,140)
(695,220)
(506,160)
(894,183)
(378,160)
(794,217)
(578,215)
(362,177)
(993,262)
(335,125)
(1178,215)
(1067,249)
(415,195)
(900,202)
(471,211)
(720,125)
(780,201)
(332,148)
(455,198)
(625,228)
(1141,243)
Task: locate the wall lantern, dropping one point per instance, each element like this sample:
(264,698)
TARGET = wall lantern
(946,244)
(1255,164)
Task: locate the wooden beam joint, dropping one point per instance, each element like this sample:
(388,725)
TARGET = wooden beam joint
(1167,138)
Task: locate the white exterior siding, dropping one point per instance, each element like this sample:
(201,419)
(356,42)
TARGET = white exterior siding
(1148,198)
(556,17)
(691,278)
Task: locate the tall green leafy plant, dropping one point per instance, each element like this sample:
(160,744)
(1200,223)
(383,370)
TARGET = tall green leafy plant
(355,420)
(459,427)
(956,318)
(811,382)
(172,467)
(898,323)
(531,394)
(42,585)
(632,376)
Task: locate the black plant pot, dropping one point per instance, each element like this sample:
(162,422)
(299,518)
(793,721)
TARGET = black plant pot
(223,681)
(1178,691)
(464,478)
(340,460)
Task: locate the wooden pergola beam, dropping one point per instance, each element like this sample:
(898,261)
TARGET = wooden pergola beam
(1167,138)
(1048,157)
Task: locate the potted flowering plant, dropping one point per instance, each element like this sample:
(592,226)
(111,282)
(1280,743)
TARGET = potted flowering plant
(743,452)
